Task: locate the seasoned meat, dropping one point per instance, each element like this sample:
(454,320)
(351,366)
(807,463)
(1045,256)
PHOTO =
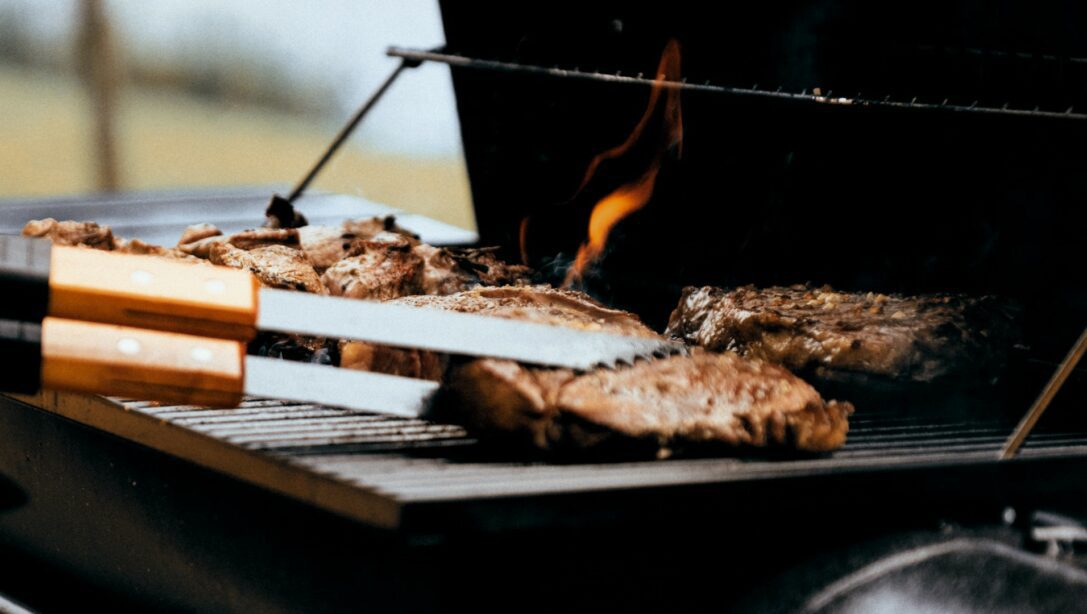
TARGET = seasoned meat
(665,404)
(678,401)
(197,232)
(327,245)
(828,333)
(139,248)
(70,232)
(261,237)
(97,236)
(199,240)
(365,228)
(391,265)
(386,268)
(537,304)
(450,270)
(276,266)
(383,359)
(301,348)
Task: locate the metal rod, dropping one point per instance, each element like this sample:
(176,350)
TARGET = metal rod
(1012,445)
(477,63)
(349,128)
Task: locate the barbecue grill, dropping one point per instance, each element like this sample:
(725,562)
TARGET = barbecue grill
(959,120)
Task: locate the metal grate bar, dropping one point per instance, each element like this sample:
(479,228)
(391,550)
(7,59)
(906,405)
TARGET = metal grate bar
(462,61)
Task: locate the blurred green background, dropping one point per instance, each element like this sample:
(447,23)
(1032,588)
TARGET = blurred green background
(103,95)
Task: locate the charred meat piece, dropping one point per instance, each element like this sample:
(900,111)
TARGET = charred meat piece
(276,266)
(366,228)
(198,239)
(834,334)
(88,234)
(262,237)
(394,361)
(198,232)
(327,245)
(450,270)
(386,268)
(300,348)
(139,248)
(662,405)
(536,304)
(96,236)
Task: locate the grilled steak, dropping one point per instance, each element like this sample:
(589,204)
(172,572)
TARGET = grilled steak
(665,404)
(661,404)
(835,334)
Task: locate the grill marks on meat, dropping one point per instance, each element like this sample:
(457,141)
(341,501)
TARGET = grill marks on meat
(828,333)
(667,404)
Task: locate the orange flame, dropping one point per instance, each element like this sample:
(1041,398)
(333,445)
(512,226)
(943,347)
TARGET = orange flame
(631,197)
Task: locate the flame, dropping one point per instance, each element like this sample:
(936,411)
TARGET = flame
(631,197)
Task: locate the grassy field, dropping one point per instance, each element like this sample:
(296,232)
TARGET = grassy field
(169,141)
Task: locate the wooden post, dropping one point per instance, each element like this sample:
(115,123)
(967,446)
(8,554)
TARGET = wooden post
(96,57)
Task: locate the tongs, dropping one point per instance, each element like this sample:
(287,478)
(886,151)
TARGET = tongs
(148,327)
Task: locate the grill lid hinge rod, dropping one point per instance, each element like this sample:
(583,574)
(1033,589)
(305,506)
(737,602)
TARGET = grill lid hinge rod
(282,208)
(1026,425)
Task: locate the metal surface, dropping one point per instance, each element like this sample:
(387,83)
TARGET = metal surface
(450,332)
(829,98)
(161,217)
(346,388)
(1052,387)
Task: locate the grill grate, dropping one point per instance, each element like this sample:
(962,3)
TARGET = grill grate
(408,473)
(382,454)
(298,428)
(307,429)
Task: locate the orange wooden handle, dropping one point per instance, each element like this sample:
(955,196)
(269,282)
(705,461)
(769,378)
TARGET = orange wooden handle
(152,292)
(141,364)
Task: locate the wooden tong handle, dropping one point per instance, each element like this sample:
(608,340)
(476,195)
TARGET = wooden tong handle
(141,364)
(152,292)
